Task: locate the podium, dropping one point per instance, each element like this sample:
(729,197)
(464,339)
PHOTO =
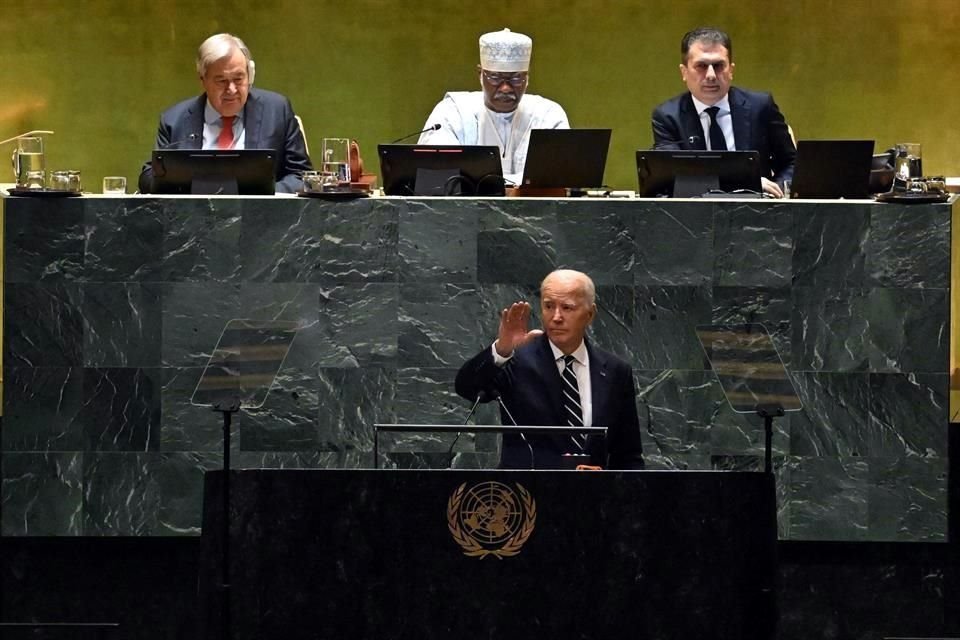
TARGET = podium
(495,554)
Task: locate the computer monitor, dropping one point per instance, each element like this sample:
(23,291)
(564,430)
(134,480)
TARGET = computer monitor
(214,171)
(828,169)
(440,170)
(566,158)
(692,174)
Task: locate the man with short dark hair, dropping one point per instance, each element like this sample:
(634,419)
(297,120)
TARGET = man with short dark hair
(556,377)
(714,115)
(232,114)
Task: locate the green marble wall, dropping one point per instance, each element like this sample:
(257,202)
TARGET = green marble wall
(99,73)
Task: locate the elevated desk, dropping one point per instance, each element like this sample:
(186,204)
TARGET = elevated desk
(591,555)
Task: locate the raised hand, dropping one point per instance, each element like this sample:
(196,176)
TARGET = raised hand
(513,331)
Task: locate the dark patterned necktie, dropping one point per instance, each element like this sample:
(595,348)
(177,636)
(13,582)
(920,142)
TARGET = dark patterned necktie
(572,410)
(717,141)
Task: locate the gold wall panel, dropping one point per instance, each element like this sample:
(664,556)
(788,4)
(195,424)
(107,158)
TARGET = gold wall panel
(99,73)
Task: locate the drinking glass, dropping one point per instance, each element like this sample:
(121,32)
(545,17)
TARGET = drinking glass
(336,162)
(114,186)
(909,161)
(27,159)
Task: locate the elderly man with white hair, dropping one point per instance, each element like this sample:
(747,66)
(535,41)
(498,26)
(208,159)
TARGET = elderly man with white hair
(232,114)
(501,114)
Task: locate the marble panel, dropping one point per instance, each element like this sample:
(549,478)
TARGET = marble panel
(121,409)
(753,244)
(44,243)
(42,493)
(41,407)
(675,243)
(121,324)
(43,324)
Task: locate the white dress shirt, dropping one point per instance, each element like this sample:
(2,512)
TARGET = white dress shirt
(724,120)
(213,124)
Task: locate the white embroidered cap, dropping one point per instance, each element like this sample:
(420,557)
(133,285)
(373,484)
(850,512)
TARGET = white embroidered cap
(505,51)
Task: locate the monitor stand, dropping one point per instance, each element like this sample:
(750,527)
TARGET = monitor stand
(694,186)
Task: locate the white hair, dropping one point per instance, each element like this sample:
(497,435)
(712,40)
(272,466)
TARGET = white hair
(218,47)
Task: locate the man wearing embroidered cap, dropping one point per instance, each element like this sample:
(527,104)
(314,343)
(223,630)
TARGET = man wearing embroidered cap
(501,114)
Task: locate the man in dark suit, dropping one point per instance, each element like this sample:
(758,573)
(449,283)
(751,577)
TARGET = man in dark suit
(231,114)
(556,377)
(716,116)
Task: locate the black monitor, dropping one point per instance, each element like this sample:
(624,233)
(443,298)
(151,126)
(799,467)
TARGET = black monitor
(692,174)
(440,170)
(566,158)
(214,171)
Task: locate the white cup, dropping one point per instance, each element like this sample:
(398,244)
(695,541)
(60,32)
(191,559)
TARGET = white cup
(114,186)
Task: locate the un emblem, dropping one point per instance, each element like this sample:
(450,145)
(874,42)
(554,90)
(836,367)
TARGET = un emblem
(490,518)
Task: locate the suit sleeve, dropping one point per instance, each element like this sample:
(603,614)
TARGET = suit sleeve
(145,183)
(783,152)
(295,159)
(666,133)
(624,445)
(480,373)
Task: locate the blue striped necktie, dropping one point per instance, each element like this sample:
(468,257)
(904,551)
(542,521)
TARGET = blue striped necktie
(572,409)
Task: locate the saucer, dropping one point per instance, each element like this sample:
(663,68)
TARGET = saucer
(42,193)
(341,194)
(912,197)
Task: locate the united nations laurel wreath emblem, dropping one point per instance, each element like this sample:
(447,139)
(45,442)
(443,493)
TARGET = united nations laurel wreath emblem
(490,518)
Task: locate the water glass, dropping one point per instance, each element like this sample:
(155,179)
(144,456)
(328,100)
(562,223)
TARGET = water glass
(114,186)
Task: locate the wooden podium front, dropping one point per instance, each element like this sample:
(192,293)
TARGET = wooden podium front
(494,554)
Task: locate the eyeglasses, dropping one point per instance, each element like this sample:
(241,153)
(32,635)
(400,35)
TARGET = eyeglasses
(495,79)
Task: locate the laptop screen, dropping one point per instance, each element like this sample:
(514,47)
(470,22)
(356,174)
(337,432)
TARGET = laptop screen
(830,169)
(566,158)
(440,170)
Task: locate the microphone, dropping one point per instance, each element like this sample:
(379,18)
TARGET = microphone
(693,141)
(482,396)
(177,143)
(533,458)
(432,127)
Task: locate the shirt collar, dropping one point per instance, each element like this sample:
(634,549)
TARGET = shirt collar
(723,103)
(579,354)
(211,116)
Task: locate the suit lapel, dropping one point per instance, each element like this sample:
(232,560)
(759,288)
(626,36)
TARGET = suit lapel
(691,127)
(599,386)
(194,124)
(740,114)
(551,375)
(253,120)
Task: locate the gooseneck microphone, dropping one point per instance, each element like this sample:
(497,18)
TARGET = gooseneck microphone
(432,127)
(533,458)
(482,396)
(177,143)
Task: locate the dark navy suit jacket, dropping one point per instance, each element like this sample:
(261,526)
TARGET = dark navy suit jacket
(269,124)
(758,125)
(530,387)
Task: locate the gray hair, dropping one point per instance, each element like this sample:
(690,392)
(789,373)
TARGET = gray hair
(218,47)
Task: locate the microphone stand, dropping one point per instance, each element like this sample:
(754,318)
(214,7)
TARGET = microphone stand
(227,408)
(482,396)
(432,127)
(533,458)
